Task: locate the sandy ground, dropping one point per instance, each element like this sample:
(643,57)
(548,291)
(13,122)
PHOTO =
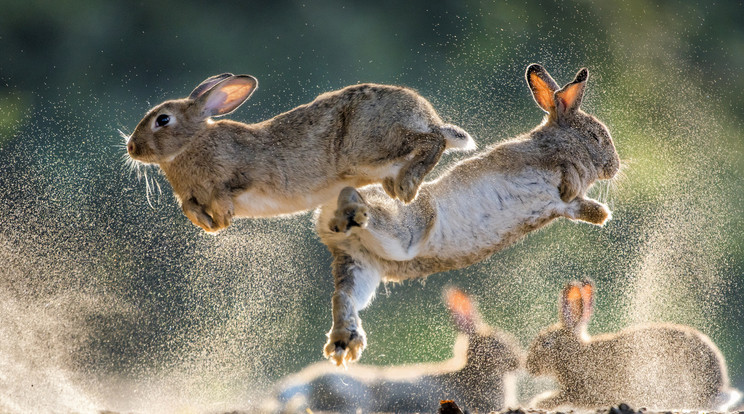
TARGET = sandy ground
(449,407)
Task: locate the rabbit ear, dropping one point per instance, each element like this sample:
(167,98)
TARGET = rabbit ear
(543,87)
(462,309)
(572,306)
(569,97)
(208,84)
(587,298)
(227,95)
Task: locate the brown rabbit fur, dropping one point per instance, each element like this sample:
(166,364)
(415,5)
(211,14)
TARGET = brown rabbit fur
(660,366)
(477,207)
(355,136)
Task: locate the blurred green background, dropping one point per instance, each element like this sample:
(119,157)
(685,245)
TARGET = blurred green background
(112,300)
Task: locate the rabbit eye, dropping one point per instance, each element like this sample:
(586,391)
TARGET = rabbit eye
(594,135)
(162,120)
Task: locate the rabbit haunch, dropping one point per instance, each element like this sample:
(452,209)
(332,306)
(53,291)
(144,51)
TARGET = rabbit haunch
(477,207)
(296,161)
(480,376)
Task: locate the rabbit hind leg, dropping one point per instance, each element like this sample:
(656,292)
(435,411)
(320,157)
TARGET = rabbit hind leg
(427,152)
(355,287)
(351,211)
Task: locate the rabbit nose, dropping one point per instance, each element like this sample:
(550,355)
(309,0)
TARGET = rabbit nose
(130,147)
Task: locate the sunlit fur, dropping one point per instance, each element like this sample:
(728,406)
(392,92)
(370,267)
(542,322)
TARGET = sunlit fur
(660,366)
(479,376)
(296,161)
(475,208)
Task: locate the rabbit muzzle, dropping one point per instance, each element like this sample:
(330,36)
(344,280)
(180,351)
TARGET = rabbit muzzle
(140,151)
(131,148)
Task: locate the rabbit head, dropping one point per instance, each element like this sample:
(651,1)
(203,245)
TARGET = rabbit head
(489,351)
(555,345)
(168,128)
(562,107)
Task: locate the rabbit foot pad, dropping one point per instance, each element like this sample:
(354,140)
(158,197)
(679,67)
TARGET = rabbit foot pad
(345,345)
(351,212)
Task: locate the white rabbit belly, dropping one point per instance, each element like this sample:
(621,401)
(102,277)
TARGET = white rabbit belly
(256,203)
(490,210)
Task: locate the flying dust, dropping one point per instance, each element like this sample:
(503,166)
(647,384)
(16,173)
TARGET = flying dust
(113,300)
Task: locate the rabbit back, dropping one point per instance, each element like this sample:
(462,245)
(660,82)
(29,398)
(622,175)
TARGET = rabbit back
(361,125)
(356,136)
(660,365)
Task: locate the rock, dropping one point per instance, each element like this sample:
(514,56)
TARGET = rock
(449,407)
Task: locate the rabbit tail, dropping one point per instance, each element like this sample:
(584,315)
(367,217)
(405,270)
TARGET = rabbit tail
(727,399)
(456,138)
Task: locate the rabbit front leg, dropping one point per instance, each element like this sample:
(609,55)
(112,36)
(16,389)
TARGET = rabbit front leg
(221,209)
(586,209)
(213,217)
(355,283)
(579,208)
(197,214)
(571,185)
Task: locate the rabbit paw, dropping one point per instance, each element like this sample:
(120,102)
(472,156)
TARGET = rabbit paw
(388,184)
(406,188)
(351,212)
(590,211)
(196,213)
(204,222)
(345,345)
(220,220)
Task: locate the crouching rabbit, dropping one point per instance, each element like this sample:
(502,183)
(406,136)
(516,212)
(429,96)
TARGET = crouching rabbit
(660,366)
(479,376)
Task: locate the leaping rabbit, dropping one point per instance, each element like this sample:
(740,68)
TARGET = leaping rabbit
(296,161)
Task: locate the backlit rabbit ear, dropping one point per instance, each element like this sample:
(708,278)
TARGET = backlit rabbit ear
(208,84)
(569,97)
(542,86)
(227,95)
(462,309)
(587,298)
(572,306)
